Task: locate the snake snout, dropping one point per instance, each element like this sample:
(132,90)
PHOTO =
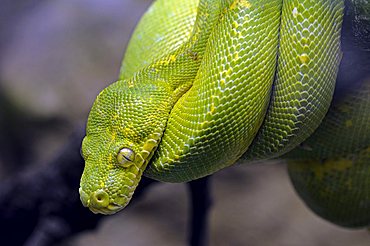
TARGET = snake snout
(99,199)
(98,202)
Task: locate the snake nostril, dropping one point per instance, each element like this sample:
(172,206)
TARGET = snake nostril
(100,199)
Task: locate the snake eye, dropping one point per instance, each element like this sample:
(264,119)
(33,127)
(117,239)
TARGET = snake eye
(125,157)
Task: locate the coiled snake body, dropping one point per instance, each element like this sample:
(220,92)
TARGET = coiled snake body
(207,82)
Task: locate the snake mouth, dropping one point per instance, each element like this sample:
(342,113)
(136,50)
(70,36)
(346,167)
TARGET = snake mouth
(98,202)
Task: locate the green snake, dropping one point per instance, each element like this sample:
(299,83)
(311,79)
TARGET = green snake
(205,83)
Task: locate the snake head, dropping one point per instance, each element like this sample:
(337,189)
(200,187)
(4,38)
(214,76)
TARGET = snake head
(123,130)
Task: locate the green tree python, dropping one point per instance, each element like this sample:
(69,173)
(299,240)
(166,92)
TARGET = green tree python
(205,83)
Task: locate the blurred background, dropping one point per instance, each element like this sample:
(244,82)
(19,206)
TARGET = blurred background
(55,57)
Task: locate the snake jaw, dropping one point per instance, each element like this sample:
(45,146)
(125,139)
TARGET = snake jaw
(99,202)
(120,140)
(99,191)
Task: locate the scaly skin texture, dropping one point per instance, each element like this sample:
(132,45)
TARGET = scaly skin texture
(213,124)
(192,106)
(331,170)
(131,115)
(302,90)
(337,189)
(173,24)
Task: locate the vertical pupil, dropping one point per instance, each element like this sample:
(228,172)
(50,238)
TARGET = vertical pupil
(127,157)
(127,154)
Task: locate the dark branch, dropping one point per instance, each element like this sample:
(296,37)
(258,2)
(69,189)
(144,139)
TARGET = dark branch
(42,207)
